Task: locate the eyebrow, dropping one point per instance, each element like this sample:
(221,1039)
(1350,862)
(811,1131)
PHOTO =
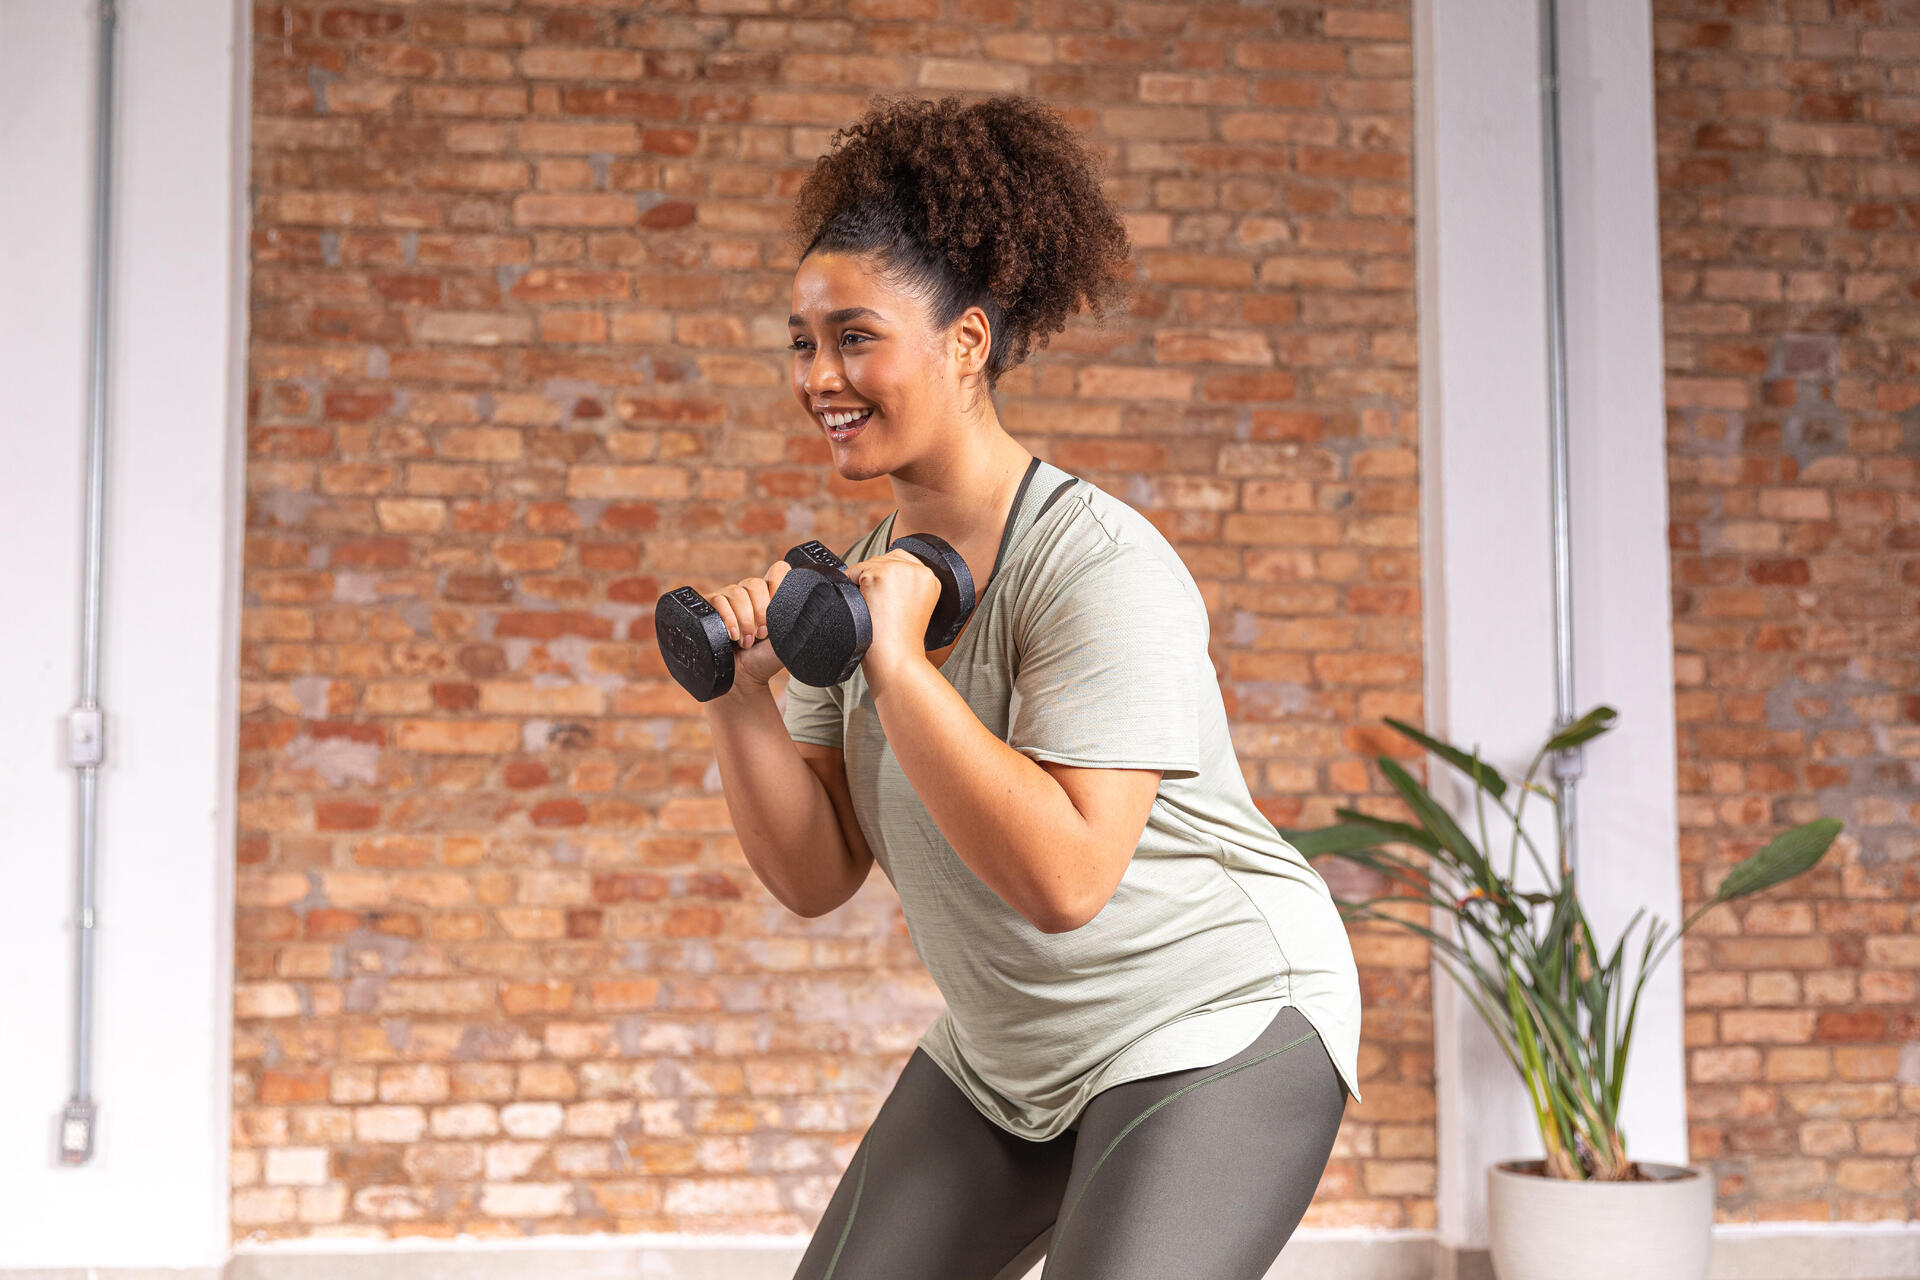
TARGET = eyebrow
(841,316)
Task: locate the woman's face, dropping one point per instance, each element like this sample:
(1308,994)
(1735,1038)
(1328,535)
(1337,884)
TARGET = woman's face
(859,344)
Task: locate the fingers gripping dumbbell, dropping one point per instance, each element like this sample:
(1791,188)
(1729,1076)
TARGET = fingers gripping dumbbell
(834,628)
(693,638)
(694,643)
(818,620)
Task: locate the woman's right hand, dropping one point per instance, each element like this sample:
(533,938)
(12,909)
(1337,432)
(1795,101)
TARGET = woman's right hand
(743,607)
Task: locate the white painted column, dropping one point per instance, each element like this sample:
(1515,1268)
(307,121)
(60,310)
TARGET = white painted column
(155,1192)
(1486,511)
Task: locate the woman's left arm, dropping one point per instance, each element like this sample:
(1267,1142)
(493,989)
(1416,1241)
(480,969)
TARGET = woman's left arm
(1051,839)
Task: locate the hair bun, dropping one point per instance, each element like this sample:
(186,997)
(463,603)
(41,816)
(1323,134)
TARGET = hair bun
(995,203)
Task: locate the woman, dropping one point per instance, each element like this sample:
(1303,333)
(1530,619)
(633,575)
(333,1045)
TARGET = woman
(1130,1074)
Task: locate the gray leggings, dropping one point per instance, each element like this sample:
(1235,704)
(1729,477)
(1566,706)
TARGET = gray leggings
(1201,1174)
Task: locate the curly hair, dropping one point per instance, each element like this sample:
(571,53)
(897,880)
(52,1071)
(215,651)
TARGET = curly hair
(996,204)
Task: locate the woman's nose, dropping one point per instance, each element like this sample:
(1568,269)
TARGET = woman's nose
(823,374)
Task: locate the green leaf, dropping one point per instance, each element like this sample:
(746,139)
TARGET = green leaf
(1364,910)
(1482,773)
(1598,997)
(1499,1023)
(1654,928)
(1339,838)
(1385,863)
(1786,856)
(1404,873)
(1590,725)
(1404,832)
(1534,1072)
(1439,822)
(1557,1023)
(1553,946)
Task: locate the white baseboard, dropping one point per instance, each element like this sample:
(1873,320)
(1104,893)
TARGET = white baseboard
(1310,1255)
(1787,1251)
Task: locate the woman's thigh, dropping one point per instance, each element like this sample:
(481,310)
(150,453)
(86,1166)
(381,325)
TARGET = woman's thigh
(936,1191)
(1203,1173)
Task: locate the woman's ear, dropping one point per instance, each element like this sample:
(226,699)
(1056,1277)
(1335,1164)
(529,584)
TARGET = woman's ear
(973,341)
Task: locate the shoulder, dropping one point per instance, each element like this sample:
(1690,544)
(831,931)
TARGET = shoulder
(1100,530)
(1101,550)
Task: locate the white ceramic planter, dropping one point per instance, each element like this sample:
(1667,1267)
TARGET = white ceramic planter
(1543,1228)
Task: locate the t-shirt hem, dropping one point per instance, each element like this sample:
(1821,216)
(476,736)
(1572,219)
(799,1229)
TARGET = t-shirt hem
(1175,1060)
(1144,1058)
(818,742)
(1184,768)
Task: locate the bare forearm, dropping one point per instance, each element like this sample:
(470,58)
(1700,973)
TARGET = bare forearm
(1005,817)
(781,811)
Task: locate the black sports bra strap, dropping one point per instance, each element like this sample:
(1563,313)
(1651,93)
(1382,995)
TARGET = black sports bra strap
(1065,485)
(1013,510)
(1006,533)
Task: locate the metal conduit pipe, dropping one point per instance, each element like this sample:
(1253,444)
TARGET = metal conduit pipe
(1567,765)
(86,723)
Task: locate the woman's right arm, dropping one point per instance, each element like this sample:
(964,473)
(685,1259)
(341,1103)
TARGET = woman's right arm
(789,802)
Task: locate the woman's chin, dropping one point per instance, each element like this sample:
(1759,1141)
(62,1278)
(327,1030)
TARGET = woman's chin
(855,467)
(855,458)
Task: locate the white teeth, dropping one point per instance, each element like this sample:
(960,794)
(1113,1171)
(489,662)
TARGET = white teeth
(837,420)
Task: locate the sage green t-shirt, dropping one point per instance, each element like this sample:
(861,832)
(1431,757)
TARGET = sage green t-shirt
(1090,648)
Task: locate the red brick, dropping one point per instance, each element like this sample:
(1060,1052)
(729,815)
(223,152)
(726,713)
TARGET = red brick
(1777,158)
(345,815)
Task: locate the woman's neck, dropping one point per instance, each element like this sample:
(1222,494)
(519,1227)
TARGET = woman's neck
(965,495)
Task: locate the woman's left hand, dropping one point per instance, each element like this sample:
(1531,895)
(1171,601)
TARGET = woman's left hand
(901,593)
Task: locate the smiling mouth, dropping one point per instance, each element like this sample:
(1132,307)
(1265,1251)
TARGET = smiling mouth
(849,429)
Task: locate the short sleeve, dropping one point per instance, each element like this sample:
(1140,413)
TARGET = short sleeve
(813,714)
(1110,664)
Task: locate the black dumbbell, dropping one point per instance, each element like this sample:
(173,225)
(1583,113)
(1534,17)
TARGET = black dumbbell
(694,643)
(818,620)
(693,638)
(698,651)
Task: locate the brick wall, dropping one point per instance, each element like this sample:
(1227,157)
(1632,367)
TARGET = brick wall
(517,367)
(1789,147)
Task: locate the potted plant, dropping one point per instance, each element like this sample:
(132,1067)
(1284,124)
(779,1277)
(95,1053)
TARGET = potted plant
(1562,1013)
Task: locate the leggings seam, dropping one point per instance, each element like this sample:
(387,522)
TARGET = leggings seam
(851,1210)
(1227,1071)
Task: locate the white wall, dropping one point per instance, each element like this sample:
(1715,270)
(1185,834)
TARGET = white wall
(1486,515)
(155,1193)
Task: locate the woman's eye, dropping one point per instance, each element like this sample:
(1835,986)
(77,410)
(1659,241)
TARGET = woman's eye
(800,344)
